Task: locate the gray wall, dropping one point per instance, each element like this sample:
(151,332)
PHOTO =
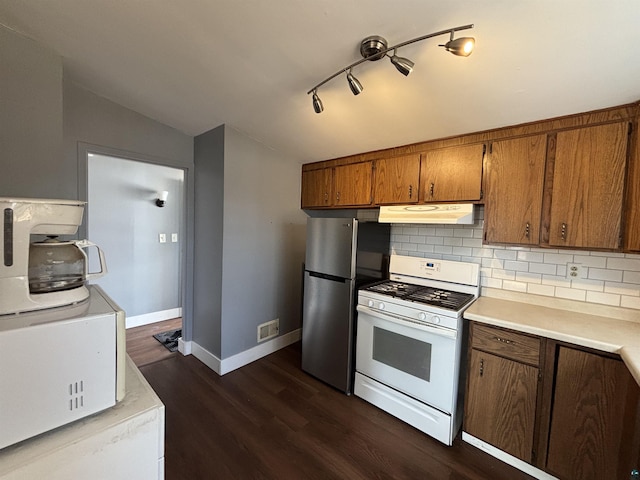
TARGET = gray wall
(31,121)
(47,127)
(251,230)
(250,241)
(209,202)
(124,220)
(93,124)
(264,242)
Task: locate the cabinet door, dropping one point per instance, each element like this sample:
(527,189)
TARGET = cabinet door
(396,180)
(452,174)
(316,188)
(501,403)
(352,184)
(588,178)
(592,418)
(514,181)
(632,220)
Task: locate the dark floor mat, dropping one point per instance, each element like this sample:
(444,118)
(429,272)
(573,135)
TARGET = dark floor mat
(169,339)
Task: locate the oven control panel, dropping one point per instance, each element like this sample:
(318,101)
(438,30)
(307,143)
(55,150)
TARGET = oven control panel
(429,266)
(404,310)
(462,273)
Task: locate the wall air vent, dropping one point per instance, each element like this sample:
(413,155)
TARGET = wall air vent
(268,330)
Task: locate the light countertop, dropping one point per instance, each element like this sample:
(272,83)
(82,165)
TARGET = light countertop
(608,329)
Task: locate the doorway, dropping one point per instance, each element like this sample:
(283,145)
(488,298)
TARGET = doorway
(143,241)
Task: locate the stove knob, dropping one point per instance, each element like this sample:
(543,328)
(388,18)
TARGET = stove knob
(370,303)
(435,319)
(381,306)
(422,316)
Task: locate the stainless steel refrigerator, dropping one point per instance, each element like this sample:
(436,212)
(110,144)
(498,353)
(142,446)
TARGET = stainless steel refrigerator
(342,255)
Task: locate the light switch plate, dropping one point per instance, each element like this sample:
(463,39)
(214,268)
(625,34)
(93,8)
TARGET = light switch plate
(162,238)
(174,237)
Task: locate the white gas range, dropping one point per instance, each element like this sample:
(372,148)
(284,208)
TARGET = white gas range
(410,342)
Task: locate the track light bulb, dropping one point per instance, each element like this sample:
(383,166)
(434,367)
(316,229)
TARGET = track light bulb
(404,65)
(317,103)
(462,46)
(355,86)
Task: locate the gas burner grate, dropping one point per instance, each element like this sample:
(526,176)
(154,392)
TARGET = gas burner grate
(393,289)
(441,298)
(436,297)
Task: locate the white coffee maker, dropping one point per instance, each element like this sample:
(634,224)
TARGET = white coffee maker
(21,218)
(62,342)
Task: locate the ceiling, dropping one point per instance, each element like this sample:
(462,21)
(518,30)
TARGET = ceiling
(196,64)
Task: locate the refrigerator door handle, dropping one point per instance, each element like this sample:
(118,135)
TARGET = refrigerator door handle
(326,276)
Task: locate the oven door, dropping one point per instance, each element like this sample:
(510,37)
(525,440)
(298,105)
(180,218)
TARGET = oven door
(418,360)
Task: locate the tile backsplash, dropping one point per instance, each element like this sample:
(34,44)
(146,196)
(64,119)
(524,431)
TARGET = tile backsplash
(607,278)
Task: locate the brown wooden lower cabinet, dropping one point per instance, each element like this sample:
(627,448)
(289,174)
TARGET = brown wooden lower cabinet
(593,417)
(579,407)
(501,410)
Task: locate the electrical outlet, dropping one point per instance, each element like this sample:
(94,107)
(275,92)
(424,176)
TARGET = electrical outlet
(575,271)
(162,238)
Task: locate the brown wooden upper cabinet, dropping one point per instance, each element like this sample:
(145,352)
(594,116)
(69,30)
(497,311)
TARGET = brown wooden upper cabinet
(317,188)
(588,186)
(342,186)
(396,180)
(514,179)
(632,205)
(352,184)
(452,174)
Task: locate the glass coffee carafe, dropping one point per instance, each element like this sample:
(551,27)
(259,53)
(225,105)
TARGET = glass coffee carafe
(56,265)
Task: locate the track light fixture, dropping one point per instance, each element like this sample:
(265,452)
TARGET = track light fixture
(355,86)
(404,65)
(462,46)
(375,47)
(317,103)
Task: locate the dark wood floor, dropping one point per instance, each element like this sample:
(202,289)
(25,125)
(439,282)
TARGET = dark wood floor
(270,420)
(143,348)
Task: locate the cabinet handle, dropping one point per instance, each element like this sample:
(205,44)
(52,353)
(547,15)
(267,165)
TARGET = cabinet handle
(326,197)
(504,340)
(410,191)
(481,366)
(527,230)
(563,231)
(337,196)
(431,189)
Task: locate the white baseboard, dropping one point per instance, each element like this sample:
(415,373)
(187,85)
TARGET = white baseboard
(184,347)
(506,458)
(153,317)
(241,359)
(204,355)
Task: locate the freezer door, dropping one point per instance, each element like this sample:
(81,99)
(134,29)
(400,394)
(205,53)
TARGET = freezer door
(327,330)
(331,246)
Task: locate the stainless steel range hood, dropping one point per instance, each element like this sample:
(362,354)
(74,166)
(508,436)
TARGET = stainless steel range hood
(446,213)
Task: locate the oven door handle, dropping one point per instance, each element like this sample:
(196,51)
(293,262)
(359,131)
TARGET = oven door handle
(390,317)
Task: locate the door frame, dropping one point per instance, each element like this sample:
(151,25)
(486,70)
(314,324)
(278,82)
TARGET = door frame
(187,221)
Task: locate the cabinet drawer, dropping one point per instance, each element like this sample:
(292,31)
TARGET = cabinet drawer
(506,343)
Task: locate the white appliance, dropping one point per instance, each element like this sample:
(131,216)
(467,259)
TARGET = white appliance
(409,344)
(22,218)
(60,365)
(446,213)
